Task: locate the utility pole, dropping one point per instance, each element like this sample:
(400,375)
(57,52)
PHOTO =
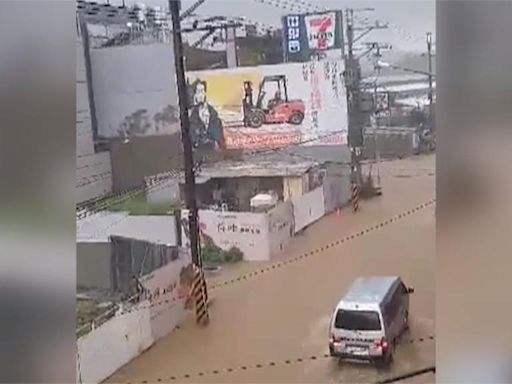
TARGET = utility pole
(355,131)
(188,156)
(355,114)
(430,90)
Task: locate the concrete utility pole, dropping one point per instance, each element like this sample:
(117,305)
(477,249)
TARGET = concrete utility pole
(352,81)
(188,156)
(353,85)
(231,51)
(430,90)
(355,114)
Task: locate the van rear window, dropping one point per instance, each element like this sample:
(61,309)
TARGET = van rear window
(357,320)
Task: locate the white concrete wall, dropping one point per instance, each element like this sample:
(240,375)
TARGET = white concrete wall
(280,220)
(308,208)
(337,191)
(164,317)
(245,230)
(168,193)
(260,236)
(113,344)
(110,346)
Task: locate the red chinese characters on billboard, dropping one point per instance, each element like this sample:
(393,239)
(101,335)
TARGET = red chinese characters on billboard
(263,140)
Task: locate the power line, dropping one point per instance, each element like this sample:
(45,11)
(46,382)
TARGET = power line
(105,204)
(192,9)
(305,6)
(177,174)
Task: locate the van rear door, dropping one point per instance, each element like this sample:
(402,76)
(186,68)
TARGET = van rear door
(358,329)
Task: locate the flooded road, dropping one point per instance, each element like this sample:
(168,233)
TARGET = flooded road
(272,327)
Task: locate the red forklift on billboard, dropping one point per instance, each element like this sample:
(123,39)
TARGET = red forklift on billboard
(279,109)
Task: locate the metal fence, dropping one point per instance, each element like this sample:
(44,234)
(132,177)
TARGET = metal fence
(135,258)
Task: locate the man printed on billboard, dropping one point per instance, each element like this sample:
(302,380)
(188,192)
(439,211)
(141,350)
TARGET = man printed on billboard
(206,128)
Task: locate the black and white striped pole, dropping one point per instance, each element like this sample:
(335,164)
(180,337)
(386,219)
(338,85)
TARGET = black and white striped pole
(200,290)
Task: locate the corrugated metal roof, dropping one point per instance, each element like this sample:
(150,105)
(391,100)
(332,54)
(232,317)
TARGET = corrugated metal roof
(270,165)
(99,227)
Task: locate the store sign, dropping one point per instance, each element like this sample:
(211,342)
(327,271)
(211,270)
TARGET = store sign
(309,35)
(292,23)
(321,31)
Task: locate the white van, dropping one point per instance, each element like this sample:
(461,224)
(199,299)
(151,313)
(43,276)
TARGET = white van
(370,318)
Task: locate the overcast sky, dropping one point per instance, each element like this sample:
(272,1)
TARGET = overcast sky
(409,19)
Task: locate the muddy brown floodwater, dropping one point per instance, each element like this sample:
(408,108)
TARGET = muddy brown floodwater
(283,314)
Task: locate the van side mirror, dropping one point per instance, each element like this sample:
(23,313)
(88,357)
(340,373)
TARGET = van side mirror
(410,290)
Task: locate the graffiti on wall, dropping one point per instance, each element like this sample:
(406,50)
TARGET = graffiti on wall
(140,122)
(269,106)
(208,229)
(222,233)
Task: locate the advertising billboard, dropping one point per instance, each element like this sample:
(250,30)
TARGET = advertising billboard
(311,35)
(269,106)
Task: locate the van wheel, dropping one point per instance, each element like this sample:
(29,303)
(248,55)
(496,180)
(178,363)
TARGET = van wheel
(406,321)
(390,358)
(385,362)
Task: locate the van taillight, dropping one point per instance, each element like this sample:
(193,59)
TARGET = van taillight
(382,343)
(334,339)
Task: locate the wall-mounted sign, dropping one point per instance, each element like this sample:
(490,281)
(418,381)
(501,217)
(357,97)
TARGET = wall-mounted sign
(381,100)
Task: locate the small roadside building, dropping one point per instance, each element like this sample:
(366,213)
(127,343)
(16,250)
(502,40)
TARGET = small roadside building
(233,184)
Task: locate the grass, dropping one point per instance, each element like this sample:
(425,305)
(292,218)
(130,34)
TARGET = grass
(138,205)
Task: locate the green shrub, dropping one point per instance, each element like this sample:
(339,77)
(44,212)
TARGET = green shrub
(234,255)
(212,254)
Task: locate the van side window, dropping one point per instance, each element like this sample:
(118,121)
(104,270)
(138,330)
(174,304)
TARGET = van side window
(403,289)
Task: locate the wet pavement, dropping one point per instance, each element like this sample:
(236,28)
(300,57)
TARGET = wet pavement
(272,326)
